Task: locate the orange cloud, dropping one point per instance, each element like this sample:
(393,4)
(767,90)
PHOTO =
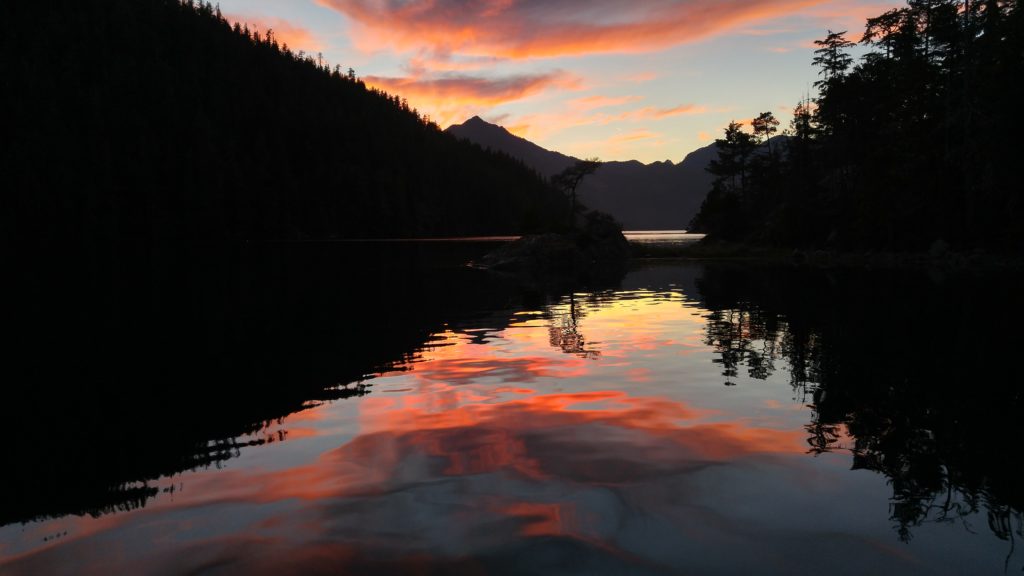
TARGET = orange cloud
(538,28)
(542,125)
(521,129)
(455,97)
(633,136)
(296,37)
(656,113)
(641,77)
(440,63)
(476,89)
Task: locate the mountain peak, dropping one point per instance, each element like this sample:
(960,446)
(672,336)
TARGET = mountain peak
(496,137)
(476,127)
(655,196)
(478,123)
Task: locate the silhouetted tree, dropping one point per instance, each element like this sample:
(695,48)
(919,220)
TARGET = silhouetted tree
(905,149)
(765,125)
(723,212)
(832,56)
(734,151)
(802,128)
(568,181)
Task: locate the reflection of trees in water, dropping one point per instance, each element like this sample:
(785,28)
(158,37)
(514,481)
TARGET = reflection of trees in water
(185,357)
(564,332)
(891,367)
(746,336)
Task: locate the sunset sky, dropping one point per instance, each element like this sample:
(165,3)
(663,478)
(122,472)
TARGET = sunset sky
(648,80)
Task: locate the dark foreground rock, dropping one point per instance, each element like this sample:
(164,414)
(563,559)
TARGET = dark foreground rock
(595,252)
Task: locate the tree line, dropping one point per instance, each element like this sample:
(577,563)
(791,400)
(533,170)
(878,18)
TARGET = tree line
(158,120)
(909,147)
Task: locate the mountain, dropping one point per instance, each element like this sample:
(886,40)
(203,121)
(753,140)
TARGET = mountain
(657,196)
(158,121)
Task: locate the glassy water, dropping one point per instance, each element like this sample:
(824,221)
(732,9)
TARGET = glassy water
(663,237)
(695,419)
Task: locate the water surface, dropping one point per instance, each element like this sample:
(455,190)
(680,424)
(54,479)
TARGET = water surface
(692,419)
(666,237)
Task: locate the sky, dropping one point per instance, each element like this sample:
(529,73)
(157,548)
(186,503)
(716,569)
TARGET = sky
(646,80)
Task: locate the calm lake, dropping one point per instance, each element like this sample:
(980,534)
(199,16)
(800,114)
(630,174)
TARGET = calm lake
(302,412)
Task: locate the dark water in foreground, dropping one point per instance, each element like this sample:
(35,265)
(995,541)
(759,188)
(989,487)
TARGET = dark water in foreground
(689,419)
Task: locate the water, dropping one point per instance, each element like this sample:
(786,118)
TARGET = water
(665,237)
(673,238)
(697,419)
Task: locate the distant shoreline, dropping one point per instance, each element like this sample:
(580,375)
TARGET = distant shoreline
(646,236)
(954,260)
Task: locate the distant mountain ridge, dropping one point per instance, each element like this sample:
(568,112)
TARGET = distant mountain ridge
(657,196)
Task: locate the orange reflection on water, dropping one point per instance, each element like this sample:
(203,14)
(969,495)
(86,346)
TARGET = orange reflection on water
(512,370)
(602,437)
(548,519)
(516,436)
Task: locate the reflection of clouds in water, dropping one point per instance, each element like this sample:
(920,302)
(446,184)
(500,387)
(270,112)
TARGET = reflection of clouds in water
(610,328)
(507,370)
(591,467)
(479,469)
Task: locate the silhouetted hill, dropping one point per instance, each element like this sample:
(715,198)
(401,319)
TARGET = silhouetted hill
(495,137)
(657,196)
(157,120)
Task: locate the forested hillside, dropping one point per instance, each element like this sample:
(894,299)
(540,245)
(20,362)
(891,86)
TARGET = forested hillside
(911,147)
(157,120)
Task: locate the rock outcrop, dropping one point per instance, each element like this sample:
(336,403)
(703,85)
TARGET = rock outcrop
(594,252)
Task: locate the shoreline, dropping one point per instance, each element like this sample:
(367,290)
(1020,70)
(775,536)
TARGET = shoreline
(953,260)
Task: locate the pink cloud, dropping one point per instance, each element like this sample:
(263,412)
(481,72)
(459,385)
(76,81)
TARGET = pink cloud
(540,28)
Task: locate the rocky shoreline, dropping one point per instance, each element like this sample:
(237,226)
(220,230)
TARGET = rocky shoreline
(594,252)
